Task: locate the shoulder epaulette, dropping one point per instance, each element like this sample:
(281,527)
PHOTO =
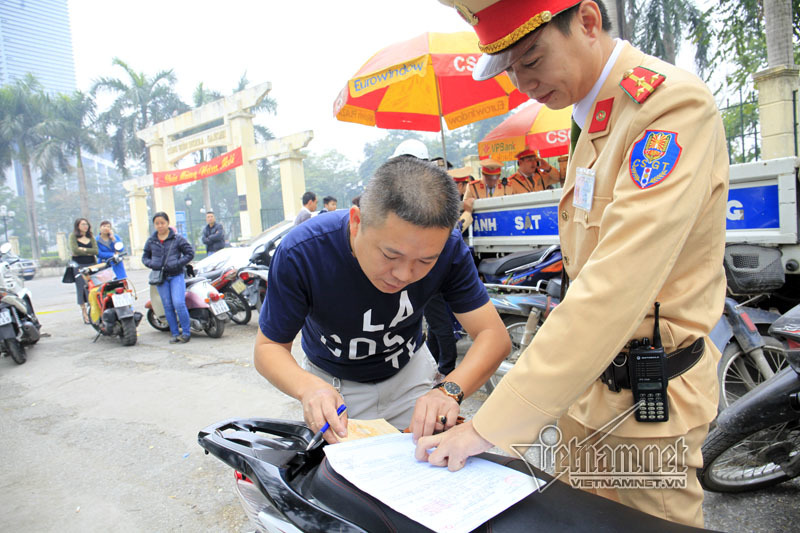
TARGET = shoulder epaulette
(640,82)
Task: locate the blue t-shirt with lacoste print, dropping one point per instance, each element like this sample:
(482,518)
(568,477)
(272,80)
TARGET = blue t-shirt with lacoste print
(350,328)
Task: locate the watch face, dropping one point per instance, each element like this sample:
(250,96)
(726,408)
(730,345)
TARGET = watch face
(451,388)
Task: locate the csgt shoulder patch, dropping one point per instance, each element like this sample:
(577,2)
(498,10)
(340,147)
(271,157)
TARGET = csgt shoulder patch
(653,157)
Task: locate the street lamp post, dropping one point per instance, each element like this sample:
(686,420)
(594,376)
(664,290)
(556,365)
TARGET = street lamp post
(6,215)
(188,202)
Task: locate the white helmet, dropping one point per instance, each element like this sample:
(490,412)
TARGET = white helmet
(411,147)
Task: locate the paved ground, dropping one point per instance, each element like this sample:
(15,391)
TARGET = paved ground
(98,436)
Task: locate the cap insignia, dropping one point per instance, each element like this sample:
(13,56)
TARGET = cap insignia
(466,14)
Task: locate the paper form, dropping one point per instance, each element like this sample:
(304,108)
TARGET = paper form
(441,500)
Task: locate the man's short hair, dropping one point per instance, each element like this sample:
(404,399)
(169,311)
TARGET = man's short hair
(308,196)
(563,20)
(416,191)
(103,223)
(209,212)
(328,199)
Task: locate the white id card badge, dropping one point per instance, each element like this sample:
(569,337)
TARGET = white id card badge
(584,188)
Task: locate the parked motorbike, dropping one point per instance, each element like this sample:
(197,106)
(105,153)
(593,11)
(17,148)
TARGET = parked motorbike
(517,285)
(19,326)
(228,283)
(208,311)
(110,301)
(523,313)
(284,488)
(255,275)
(756,440)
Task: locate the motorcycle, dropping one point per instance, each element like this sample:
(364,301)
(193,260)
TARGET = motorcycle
(255,275)
(523,314)
(229,284)
(208,311)
(19,325)
(110,301)
(285,488)
(756,440)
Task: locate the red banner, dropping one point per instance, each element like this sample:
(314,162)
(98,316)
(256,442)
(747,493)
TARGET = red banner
(218,165)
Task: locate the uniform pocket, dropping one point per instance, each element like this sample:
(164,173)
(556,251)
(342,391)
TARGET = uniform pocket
(591,219)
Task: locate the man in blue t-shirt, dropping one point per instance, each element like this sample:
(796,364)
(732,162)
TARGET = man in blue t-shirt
(356,284)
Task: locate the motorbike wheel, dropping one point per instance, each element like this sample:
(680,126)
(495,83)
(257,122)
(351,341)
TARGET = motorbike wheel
(738,462)
(156,322)
(738,374)
(240,309)
(215,328)
(515,326)
(128,332)
(16,350)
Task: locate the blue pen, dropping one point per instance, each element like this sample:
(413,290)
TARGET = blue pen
(318,436)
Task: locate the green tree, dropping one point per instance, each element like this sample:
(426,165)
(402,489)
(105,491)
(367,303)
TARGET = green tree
(23,107)
(140,102)
(68,131)
(734,32)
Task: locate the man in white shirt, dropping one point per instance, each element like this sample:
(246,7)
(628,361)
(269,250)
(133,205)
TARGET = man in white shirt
(309,207)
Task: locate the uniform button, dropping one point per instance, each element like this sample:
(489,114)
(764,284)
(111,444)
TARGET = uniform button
(586,217)
(564,215)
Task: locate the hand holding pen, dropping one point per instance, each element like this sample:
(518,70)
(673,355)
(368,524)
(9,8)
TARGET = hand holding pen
(318,436)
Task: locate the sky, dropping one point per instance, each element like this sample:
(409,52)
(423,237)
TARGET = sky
(307,50)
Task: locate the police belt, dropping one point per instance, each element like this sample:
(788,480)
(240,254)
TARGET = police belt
(616,376)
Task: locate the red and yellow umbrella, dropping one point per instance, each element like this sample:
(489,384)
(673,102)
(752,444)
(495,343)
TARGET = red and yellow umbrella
(535,126)
(412,85)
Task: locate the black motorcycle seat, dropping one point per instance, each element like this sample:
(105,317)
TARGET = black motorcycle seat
(500,265)
(558,508)
(211,274)
(192,281)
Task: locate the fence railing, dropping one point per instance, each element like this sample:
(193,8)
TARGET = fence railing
(742,129)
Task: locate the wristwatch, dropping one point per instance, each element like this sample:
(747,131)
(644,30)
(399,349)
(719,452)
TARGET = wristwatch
(451,389)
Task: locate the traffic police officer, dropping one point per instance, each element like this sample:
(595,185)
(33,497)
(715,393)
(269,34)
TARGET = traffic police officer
(641,220)
(490,185)
(533,173)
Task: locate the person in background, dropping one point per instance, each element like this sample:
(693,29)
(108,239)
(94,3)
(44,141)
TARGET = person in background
(356,201)
(490,185)
(105,247)
(533,173)
(309,206)
(84,252)
(168,251)
(462,176)
(328,204)
(213,234)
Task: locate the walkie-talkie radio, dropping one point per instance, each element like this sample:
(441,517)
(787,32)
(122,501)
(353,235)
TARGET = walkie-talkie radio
(647,373)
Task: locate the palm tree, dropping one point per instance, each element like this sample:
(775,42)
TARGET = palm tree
(68,132)
(23,107)
(778,23)
(141,101)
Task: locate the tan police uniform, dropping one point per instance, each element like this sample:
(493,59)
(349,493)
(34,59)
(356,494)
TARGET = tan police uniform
(462,176)
(645,236)
(478,189)
(543,175)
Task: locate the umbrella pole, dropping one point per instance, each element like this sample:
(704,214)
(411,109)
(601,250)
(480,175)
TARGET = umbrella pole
(441,119)
(444,149)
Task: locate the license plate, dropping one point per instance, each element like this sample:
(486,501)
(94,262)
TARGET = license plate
(239,286)
(219,307)
(121,300)
(5,317)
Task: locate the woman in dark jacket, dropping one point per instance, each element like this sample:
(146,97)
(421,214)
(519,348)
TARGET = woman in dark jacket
(84,249)
(168,251)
